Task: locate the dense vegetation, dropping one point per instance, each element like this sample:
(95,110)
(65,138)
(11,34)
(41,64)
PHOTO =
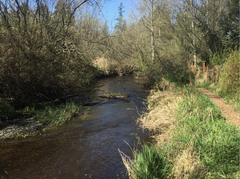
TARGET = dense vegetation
(192,142)
(228,83)
(47,52)
(42,56)
(47,47)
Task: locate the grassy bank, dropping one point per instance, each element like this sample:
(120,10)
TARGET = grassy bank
(192,139)
(230,98)
(227,86)
(53,115)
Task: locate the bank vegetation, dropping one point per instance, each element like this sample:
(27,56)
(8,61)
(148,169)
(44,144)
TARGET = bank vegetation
(192,139)
(51,50)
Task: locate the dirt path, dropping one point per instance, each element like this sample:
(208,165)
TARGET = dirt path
(227,111)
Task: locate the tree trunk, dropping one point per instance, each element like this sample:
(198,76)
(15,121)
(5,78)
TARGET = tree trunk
(194,43)
(152,33)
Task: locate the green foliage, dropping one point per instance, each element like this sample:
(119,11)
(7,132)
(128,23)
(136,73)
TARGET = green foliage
(6,108)
(218,58)
(55,115)
(229,78)
(201,125)
(151,163)
(121,23)
(228,84)
(229,25)
(204,85)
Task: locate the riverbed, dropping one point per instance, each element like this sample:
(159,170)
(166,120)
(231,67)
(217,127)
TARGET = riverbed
(87,146)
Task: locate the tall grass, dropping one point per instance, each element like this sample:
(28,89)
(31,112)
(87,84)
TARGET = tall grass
(54,115)
(230,98)
(200,125)
(202,144)
(151,162)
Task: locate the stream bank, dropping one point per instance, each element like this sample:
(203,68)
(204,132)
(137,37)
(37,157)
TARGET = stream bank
(191,139)
(86,147)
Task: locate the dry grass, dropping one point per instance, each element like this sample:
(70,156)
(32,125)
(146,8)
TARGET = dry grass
(186,128)
(161,116)
(185,163)
(101,63)
(159,120)
(129,163)
(105,63)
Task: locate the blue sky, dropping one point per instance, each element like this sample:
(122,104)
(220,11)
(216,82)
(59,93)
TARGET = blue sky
(110,10)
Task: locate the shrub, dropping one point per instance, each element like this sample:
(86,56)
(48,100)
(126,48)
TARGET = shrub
(55,115)
(229,78)
(6,108)
(151,163)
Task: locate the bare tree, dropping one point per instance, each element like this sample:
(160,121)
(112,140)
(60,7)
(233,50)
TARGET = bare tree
(146,9)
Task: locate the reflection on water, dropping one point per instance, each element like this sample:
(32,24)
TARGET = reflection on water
(86,147)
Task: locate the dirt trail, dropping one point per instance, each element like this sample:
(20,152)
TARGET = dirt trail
(227,111)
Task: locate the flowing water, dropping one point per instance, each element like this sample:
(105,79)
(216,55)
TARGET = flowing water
(86,147)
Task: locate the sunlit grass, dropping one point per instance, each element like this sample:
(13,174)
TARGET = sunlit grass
(230,98)
(53,115)
(193,138)
(200,125)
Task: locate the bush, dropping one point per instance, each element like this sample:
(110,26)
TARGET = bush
(218,58)
(41,57)
(53,115)
(6,109)
(151,163)
(229,78)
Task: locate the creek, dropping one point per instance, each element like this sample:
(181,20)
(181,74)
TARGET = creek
(85,147)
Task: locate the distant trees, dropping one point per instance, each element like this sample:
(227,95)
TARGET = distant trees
(46,47)
(164,35)
(229,25)
(121,23)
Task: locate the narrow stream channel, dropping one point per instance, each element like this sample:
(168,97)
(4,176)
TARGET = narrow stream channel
(86,147)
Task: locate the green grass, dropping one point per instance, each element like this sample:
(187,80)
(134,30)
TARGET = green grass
(227,86)
(204,85)
(101,68)
(151,163)
(117,94)
(230,98)
(53,115)
(199,126)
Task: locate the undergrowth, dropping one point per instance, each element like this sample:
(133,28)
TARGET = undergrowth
(53,115)
(228,85)
(151,161)
(202,144)
(230,98)
(201,126)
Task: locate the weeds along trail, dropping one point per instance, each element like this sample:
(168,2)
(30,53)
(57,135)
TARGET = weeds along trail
(191,136)
(227,111)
